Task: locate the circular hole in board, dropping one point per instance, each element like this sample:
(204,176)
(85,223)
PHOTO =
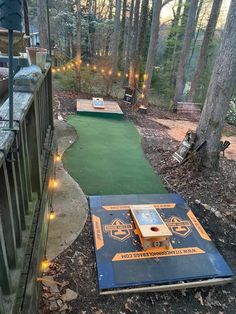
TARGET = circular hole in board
(155,229)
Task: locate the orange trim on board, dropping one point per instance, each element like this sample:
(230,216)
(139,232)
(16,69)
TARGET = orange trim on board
(157,253)
(198,226)
(97,232)
(127,207)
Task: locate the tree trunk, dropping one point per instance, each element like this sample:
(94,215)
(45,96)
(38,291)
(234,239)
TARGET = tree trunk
(204,48)
(128,41)
(219,93)
(141,37)
(134,44)
(188,36)
(26,22)
(152,50)
(122,33)
(78,50)
(42,23)
(116,37)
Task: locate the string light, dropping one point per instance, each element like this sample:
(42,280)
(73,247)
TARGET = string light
(144,86)
(52,215)
(145,76)
(94,68)
(142,96)
(102,70)
(110,72)
(53,70)
(80,61)
(87,65)
(119,74)
(136,76)
(55,183)
(45,264)
(57,157)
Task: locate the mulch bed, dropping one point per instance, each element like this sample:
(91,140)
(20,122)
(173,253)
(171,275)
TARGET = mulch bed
(212,196)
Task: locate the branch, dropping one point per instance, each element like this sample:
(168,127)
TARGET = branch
(165,2)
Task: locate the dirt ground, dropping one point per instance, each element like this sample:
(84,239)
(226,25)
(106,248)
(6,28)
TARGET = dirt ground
(212,197)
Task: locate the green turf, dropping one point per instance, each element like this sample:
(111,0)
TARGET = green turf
(107,158)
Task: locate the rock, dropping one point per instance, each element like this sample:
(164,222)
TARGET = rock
(49,282)
(69,295)
(197,202)
(53,306)
(63,308)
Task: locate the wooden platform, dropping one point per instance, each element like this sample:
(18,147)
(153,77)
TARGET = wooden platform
(111,108)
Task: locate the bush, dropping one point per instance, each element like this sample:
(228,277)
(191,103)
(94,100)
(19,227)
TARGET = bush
(231,114)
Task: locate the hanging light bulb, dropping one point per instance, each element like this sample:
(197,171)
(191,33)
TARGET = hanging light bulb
(52,215)
(126,75)
(110,72)
(102,70)
(57,157)
(53,70)
(87,65)
(94,68)
(119,74)
(45,264)
(136,76)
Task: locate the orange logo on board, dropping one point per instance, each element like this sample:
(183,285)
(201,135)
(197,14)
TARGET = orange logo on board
(179,226)
(118,229)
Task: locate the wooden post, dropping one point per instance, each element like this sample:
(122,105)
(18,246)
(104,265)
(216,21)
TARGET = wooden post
(4,273)
(34,148)
(7,217)
(23,204)
(14,198)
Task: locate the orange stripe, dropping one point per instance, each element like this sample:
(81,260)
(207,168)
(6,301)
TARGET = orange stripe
(127,207)
(198,226)
(98,232)
(157,253)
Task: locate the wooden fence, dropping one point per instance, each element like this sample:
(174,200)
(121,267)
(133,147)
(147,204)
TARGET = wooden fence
(26,170)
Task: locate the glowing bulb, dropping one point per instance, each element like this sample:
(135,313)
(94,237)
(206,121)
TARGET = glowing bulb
(136,76)
(80,61)
(126,75)
(142,95)
(87,65)
(110,72)
(144,86)
(145,76)
(53,70)
(45,264)
(52,215)
(94,67)
(55,184)
(102,70)
(58,70)
(64,68)
(57,157)
(119,74)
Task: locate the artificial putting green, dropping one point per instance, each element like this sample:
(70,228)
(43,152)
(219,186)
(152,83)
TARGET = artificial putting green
(107,158)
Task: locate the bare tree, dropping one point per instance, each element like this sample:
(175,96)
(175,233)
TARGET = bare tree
(134,44)
(141,37)
(128,40)
(152,50)
(42,23)
(204,48)
(116,37)
(188,36)
(26,21)
(122,33)
(220,90)
(78,50)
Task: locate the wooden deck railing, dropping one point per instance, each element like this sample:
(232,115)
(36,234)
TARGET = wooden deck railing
(26,170)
